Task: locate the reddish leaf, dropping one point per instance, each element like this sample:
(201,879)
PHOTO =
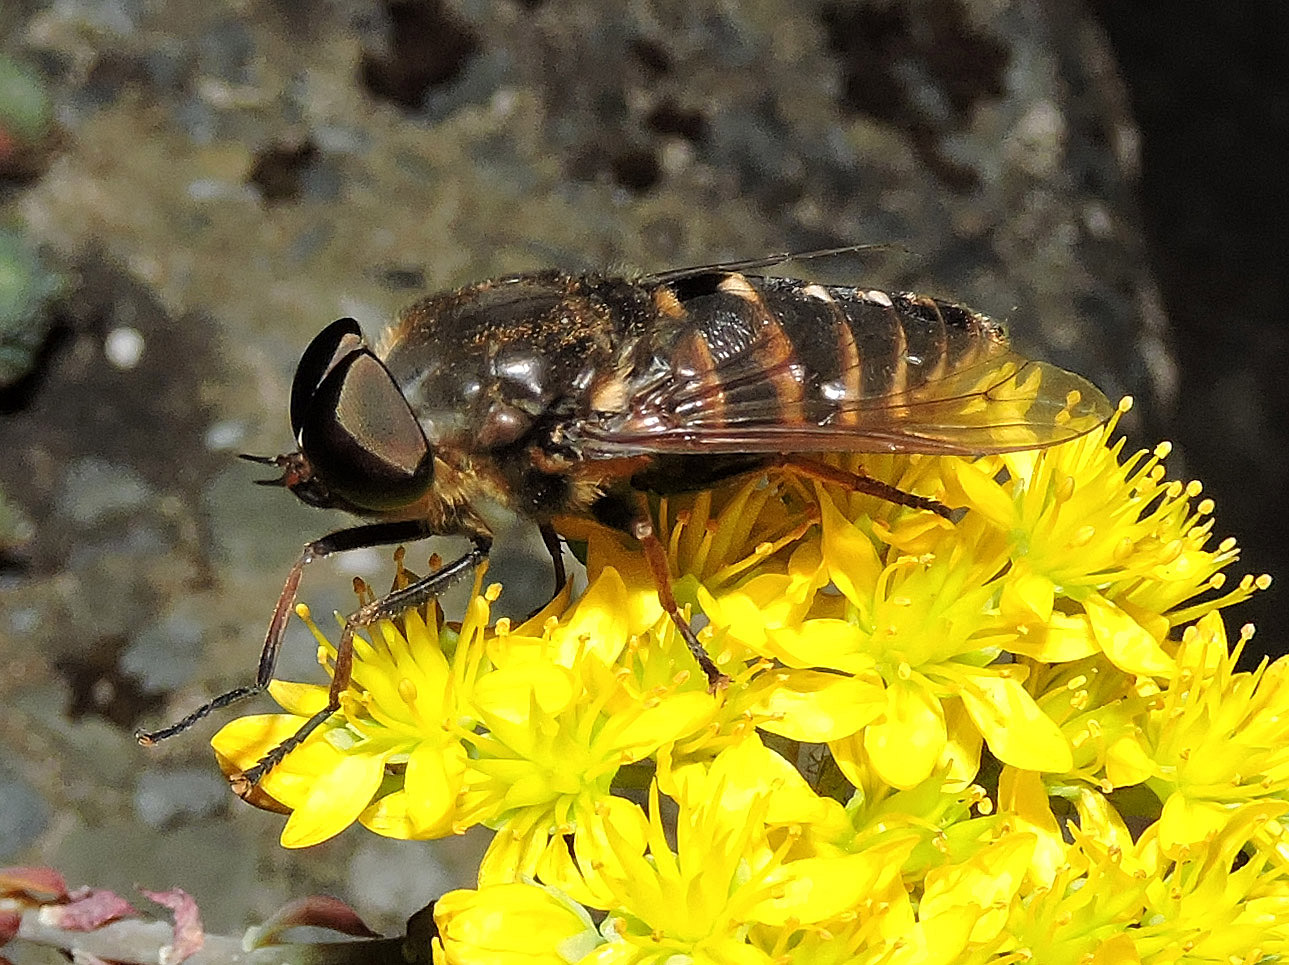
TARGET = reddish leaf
(87,909)
(9,922)
(189,935)
(39,883)
(317,911)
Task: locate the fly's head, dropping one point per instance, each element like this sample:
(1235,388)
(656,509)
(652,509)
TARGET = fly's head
(359,446)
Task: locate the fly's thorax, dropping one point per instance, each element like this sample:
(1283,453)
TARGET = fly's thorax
(485,367)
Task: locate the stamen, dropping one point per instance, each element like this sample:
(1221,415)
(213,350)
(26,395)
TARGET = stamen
(407,691)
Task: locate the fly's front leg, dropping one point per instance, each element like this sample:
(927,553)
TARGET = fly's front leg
(387,607)
(376,534)
(860,483)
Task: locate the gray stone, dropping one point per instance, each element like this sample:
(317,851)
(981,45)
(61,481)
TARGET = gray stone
(23,815)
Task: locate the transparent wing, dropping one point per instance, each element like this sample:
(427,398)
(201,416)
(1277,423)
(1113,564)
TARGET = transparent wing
(994,400)
(764,261)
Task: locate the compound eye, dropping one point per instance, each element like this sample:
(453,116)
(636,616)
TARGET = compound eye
(327,348)
(361,437)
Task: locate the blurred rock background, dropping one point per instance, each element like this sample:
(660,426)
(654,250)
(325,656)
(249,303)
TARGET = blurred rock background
(190,190)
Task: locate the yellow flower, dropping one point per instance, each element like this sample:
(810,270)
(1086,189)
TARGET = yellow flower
(1218,740)
(1015,736)
(1113,539)
(909,642)
(511,924)
(552,738)
(523,731)
(392,757)
(734,863)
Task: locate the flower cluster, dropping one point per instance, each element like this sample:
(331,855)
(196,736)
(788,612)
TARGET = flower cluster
(1016,736)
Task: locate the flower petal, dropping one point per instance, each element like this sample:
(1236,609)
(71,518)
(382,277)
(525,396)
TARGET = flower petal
(850,556)
(968,483)
(815,889)
(512,690)
(246,740)
(1027,597)
(432,781)
(836,644)
(1186,821)
(513,924)
(1064,637)
(632,736)
(1127,761)
(1014,727)
(602,620)
(988,882)
(906,742)
(387,816)
(1125,642)
(339,794)
(1022,795)
(300,699)
(808,705)
(604,553)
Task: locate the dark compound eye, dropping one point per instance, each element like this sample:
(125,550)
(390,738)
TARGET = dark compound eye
(361,438)
(327,348)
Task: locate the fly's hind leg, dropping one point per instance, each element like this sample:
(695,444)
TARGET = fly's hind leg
(858,482)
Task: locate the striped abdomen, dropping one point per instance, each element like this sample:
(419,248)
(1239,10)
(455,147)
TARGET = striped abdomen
(818,350)
(734,349)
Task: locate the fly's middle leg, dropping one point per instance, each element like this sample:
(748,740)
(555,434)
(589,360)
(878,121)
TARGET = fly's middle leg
(656,556)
